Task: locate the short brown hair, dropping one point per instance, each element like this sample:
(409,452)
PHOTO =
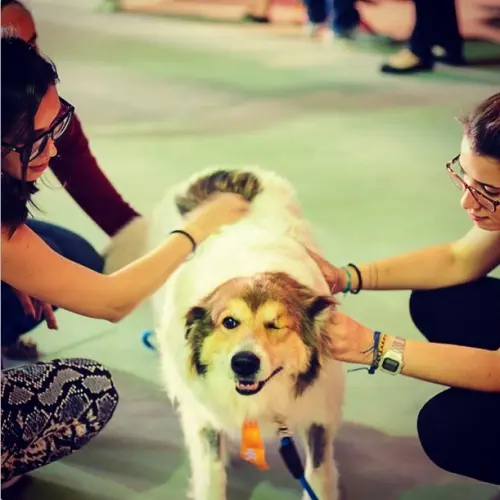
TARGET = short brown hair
(482,127)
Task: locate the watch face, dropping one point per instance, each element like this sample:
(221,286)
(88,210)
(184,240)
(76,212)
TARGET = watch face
(391,365)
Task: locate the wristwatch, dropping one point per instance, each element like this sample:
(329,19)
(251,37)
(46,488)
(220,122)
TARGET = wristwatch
(392,360)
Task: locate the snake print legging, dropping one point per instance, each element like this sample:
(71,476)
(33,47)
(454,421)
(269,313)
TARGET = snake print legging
(49,410)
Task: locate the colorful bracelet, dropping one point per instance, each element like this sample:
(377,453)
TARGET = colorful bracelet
(360,279)
(379,340)
(347,288)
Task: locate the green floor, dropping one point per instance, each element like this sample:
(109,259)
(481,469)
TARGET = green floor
(161,99)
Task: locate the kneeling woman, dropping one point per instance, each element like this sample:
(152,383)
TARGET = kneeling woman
(52,409)
(455,305)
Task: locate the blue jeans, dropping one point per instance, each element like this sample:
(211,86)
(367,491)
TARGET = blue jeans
(342,13)
(14,321)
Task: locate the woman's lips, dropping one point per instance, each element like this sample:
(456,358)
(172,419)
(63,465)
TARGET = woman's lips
(38,168)
(476,218)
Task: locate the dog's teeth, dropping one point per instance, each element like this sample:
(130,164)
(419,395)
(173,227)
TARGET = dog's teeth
(248,385)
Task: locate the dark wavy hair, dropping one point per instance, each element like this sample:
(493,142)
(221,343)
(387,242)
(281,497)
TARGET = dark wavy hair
(10,2)
(482,127)
(26,78)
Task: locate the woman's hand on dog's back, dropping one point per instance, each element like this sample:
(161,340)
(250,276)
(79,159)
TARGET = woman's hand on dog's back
(218,210)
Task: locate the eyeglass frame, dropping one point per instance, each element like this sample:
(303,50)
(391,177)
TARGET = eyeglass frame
(466,187)
(68,114)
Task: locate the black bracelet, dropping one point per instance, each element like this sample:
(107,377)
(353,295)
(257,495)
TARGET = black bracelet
(187,235)
(360,279)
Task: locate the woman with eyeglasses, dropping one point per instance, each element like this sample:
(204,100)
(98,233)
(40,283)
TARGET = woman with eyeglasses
(78,172)
(41,265)
(51,409)
(455,304)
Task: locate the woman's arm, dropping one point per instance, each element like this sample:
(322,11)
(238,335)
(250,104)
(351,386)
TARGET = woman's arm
(29,265)
(471,257)
(450,365)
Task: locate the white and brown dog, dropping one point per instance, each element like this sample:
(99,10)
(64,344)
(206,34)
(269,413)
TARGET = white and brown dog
(240,330)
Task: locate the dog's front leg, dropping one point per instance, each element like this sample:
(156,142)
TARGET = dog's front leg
(207,454)
(321,469)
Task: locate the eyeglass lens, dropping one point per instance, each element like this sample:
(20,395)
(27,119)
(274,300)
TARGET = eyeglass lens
(462,185)
(39,146)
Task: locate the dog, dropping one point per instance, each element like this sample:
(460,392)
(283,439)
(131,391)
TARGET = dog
(240,329)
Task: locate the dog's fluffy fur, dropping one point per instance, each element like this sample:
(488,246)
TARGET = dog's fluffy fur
(250,294)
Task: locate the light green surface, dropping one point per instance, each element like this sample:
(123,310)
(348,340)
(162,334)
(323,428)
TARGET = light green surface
(161,99)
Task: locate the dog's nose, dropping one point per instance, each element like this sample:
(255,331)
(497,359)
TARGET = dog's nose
(245,364)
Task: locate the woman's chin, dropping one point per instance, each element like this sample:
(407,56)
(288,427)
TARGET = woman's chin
(488,225)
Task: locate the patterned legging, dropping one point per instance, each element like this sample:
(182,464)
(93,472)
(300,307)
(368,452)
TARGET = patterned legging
(49,410)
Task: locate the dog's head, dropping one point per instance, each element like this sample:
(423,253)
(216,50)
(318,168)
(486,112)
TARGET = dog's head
(253,332)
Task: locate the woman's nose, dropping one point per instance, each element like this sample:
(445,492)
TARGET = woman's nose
(468,201)
(51,148)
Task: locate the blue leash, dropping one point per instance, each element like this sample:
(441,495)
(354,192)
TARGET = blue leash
(291,457)
(287,449)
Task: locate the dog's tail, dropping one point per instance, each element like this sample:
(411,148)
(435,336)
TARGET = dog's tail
(242,182)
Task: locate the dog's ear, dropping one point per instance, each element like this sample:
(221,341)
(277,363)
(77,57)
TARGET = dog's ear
(195,315)
(319,311)
(319,305)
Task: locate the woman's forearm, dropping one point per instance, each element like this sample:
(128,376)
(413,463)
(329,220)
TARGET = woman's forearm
(129,286)
(429,268)
(451,365)
(472,256)
(28,264)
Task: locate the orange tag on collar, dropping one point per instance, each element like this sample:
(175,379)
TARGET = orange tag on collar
(252,447)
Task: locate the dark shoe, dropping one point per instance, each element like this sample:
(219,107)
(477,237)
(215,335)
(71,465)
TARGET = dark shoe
(406,62)
(21,350)
(443,56)
(250,18)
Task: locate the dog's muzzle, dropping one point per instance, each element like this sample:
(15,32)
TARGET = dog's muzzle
(246,366)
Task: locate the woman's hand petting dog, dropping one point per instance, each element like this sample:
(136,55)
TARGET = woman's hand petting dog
(336,278)
(349,339)
(219,210)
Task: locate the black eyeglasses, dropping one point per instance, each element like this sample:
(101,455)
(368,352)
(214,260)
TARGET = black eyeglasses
(484,200)
(29,152)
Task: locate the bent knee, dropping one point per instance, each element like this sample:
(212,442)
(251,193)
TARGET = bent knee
(437,435)
(96,388)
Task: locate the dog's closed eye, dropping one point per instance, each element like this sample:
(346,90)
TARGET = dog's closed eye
(270,325)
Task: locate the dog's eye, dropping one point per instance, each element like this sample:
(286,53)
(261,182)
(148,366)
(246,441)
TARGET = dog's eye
(230,323)
(271,326)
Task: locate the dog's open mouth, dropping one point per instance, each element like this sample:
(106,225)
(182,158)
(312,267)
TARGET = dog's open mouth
(251,387)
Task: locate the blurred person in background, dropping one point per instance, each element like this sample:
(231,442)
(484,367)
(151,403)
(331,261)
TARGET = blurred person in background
(435,38)
(341,16)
